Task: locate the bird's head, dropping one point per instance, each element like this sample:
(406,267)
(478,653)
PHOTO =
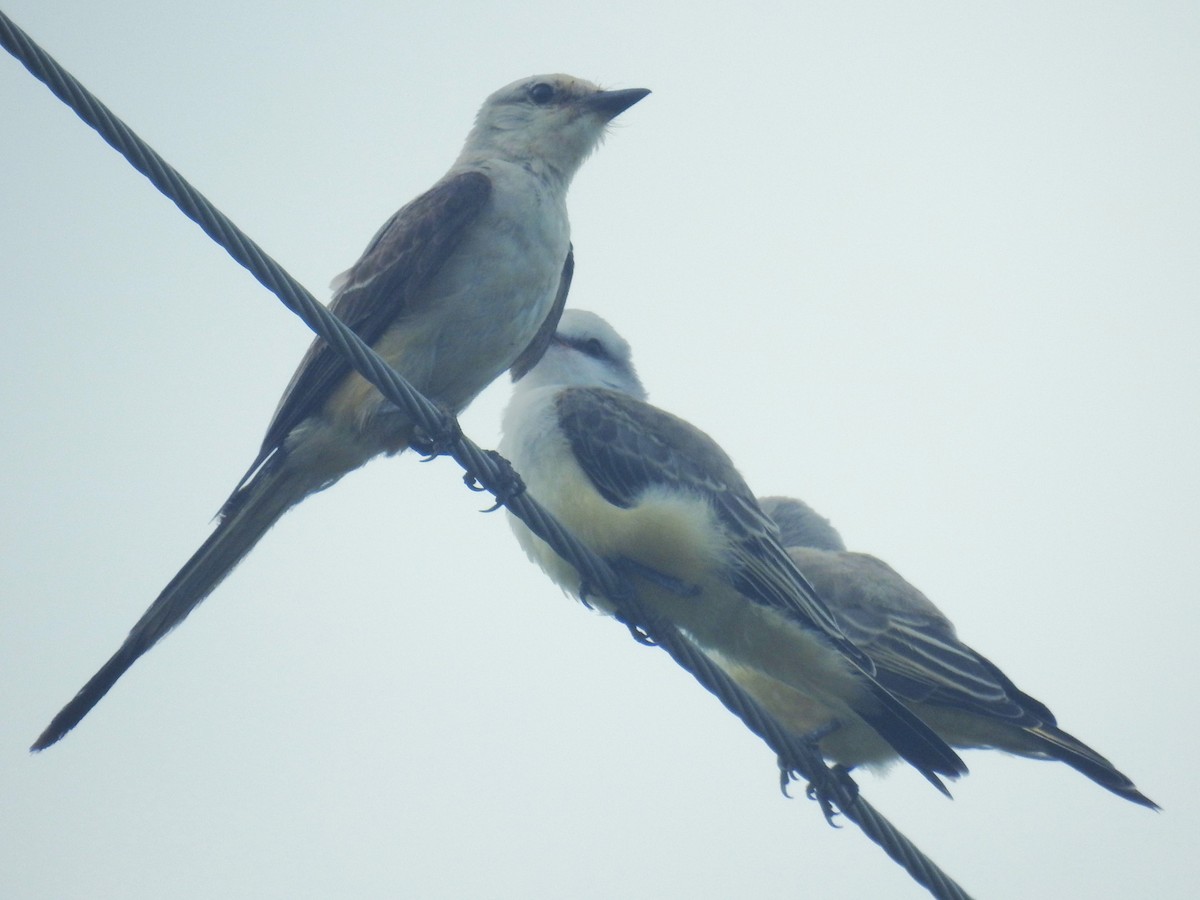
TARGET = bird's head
(800,525)
(547,122)
(586,352)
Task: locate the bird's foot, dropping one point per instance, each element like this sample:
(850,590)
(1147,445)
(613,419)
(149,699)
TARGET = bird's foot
(587,591)
(812,740)
(438,440)
(786,776)
(836,775)
(504,485)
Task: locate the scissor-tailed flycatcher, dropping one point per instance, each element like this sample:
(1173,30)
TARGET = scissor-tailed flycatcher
(467,280)
(917,656)
(647,490)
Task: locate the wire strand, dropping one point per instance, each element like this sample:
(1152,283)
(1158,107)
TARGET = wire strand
(486,468)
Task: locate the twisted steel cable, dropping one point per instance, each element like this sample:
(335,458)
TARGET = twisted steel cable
(483,468)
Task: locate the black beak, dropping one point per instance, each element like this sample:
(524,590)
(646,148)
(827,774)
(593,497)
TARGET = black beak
(611,104)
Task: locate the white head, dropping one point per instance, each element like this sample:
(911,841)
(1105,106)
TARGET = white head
(550,123)
(585,352)
(800,525)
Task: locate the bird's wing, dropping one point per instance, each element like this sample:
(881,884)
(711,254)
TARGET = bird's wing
(626,447)
(916,652)
(386,283)
(537,347)
(919,658)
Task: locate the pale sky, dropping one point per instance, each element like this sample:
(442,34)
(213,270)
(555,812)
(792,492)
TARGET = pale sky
(935,269)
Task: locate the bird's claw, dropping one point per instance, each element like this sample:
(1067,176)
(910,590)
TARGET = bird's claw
(507,484)
(621,599)
(827,808)
(819,789)
(821,793)
(585,591)
(438,441)
(786,776)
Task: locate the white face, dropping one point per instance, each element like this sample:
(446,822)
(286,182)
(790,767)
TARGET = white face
(546,118)
(586,352)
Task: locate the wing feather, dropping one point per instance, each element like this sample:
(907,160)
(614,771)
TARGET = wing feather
(537,347)
(385,284)
(916,650)
(627,447)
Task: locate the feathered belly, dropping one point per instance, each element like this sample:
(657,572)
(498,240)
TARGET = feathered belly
(457,345)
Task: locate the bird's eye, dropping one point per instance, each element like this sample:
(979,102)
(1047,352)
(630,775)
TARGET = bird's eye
(541,93)
(593,348)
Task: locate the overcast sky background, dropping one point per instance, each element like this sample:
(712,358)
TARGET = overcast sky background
(935,269)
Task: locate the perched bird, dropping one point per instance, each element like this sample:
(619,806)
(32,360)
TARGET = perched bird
(917,656)
(465,281)
(661,500)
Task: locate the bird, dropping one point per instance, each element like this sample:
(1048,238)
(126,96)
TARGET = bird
(662,501)
(465,281)
(918,656)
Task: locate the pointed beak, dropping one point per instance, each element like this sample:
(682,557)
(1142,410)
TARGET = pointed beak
(610,104)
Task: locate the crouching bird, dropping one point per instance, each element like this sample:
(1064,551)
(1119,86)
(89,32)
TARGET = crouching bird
(961,694)
(661,500)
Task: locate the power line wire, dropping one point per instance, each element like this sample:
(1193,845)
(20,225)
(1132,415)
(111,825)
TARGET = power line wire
(484,468)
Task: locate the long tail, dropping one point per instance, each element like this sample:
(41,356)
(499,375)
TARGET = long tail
(1079,756)
(253,509)
(909,736)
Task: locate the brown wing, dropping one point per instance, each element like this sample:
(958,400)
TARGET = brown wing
(537,347)
(386,283)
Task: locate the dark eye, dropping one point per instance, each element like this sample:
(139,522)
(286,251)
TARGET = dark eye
(541,93)
(593,348)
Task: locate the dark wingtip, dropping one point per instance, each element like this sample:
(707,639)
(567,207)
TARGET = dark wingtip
(1067,748)
(913,739)
(1135,796)
(1122,787)
(937,782)
(920,745)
